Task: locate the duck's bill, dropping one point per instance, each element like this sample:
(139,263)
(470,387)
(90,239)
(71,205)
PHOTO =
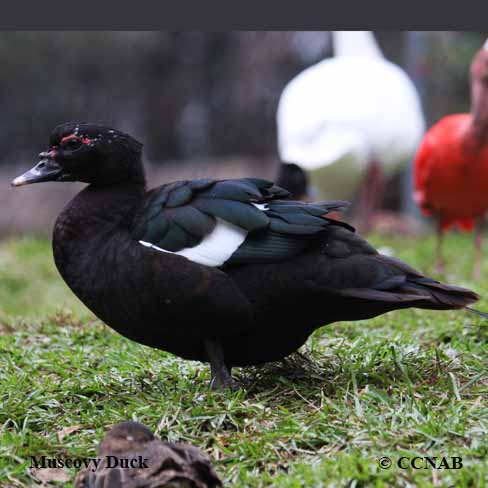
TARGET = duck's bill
(44,170)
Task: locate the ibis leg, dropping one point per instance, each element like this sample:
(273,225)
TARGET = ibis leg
(439,258)
(221,377)
(478,247)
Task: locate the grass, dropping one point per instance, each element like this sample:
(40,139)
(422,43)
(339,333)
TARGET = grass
(409,383)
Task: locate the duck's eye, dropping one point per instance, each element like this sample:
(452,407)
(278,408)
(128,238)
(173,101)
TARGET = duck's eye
(72,143)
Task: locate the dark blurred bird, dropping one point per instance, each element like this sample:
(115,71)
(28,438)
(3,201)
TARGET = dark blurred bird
(230,272)
(451,167)
(130,456)
(294,179)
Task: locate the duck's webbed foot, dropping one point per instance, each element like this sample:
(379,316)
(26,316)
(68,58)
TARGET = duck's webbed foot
(221,377)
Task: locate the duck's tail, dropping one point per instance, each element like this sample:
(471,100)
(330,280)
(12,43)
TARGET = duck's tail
(439,296)
(397,285)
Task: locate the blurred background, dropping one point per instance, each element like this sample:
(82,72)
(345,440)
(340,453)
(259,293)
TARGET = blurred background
(202,103)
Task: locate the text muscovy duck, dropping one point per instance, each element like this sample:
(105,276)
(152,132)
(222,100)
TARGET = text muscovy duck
(228,272)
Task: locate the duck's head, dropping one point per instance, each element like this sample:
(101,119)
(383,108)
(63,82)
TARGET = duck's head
(89,153)
(126,436)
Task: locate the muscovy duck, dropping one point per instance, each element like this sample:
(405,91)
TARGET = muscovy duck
(131,457)
(228,272)
(451,167)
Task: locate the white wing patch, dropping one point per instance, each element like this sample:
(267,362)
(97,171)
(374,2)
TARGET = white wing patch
(261,206)
(215,249)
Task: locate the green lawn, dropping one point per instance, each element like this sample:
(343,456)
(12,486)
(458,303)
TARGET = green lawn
(409,383)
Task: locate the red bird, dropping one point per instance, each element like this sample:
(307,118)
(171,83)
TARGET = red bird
(451,166)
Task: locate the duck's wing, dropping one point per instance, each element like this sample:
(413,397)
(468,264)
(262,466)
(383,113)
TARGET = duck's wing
(230,222)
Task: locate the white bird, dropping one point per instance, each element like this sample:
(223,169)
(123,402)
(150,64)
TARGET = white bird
(358,105)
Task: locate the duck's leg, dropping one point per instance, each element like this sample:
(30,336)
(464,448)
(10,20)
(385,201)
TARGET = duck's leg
(478,247)
(439,259)
(221,377)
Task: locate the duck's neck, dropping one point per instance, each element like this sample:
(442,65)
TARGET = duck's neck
(98,210)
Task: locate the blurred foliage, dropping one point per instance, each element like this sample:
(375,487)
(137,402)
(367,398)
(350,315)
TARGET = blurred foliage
(446,64)
(189,94)
(29,282)
(186,94)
